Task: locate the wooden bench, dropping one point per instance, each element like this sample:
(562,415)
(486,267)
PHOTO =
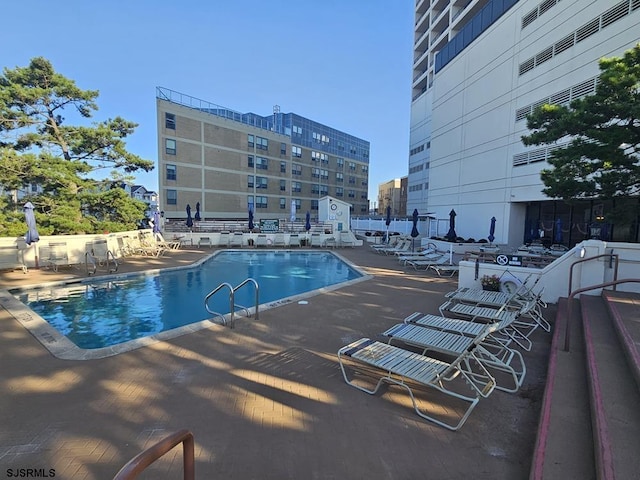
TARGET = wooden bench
(11,258)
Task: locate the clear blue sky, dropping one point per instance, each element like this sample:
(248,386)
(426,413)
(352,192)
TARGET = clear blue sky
(344,63)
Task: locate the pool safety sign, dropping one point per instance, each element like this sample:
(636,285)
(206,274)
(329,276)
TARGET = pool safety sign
(270,225)
(514,260)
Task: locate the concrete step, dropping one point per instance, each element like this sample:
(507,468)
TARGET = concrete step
(590,418)
(614,395)
(564,446)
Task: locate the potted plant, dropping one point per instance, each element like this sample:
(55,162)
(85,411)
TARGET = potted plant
(491,283)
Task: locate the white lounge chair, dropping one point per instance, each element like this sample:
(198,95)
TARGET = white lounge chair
(316,240)
(261,240)
(397,365)
(204,242)
(172,245)
(279,240)
(58,255)
(11,258)
(425,264)
(501,359)
(294,240)
(236,239)
(445,270)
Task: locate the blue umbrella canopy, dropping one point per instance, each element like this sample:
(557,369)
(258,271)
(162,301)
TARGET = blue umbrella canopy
(492,230)
(32,232)
(196,217)
(307,222)
(251,225)
(293,211)
(388,219)
(451,234)
(189,219)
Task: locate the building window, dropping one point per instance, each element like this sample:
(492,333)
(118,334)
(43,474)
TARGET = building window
(262,182)
(261,202)
(315,189)
(283,149)
(170,146)
(339,177)
(296,187)
(250,141)
(315,173)
(352,194)
(296,151)
(340,163)
(297,130)
(250,161)
(324,189)
(296,169)
(262,143)
(352,166)
(339,192)
(172,197)
(171,172)
(283,167)
(262,163)
(170,121)
(250,181)
(324,174)
(283,185)
(365,168)
(352,180)
(283,203)
(314,204)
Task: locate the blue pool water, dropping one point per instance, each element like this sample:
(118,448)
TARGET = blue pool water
(100,314)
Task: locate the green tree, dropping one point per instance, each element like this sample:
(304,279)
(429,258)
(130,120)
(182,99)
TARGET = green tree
(37,146)
(602,132)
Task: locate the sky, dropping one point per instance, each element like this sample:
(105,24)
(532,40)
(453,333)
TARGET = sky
(343,63)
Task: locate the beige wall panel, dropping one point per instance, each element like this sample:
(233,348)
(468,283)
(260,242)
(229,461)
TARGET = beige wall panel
(225,181)
(222,202)
(186,153)
(225,137)
(187,128)
(220,158)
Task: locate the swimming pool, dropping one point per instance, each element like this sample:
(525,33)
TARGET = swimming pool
(120,309)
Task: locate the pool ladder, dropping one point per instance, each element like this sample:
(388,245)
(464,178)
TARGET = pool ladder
(232,303)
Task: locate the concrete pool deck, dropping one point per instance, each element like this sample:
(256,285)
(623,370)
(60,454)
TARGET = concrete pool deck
(265,400)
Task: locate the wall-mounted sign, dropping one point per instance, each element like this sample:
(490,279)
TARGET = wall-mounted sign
(270,225)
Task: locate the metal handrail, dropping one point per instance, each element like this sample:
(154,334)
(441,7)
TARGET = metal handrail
(588,259)
(232,303)
(141,461)
(211,293)
(242,284)
(586,289)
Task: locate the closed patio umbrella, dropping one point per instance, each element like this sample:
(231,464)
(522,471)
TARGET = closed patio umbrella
(156,222)
(293,211)
(387,221)
(492,230)
(32,232)
(251,225)
(414,230)
(196,217)
(307,222)
(451,234)
(189,219)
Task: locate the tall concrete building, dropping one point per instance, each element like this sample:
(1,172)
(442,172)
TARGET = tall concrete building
(480,67)
(230,162)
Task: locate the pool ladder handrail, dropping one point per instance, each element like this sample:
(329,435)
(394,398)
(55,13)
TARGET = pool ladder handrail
(90,257)
(232,304)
